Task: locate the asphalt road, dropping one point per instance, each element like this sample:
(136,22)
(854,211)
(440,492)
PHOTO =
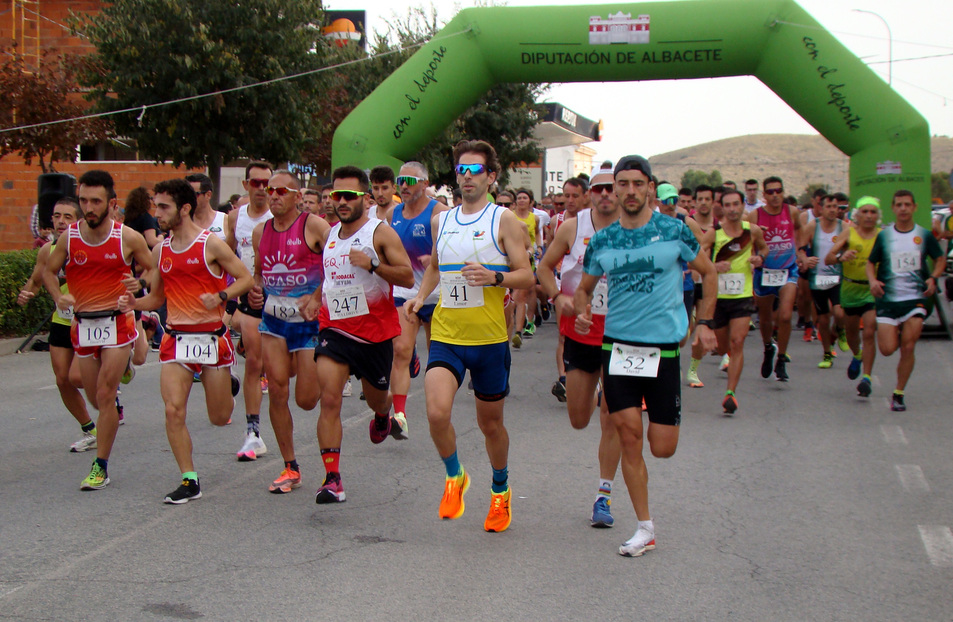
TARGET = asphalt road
(809,504)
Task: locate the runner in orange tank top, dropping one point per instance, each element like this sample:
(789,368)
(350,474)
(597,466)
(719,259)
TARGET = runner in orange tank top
(192,266)
(97,257)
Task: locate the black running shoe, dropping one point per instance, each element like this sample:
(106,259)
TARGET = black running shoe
(188,490)
(896,403)
(769,351)
(863,388)
(780,370)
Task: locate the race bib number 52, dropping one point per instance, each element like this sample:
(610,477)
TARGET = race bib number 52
(638,361)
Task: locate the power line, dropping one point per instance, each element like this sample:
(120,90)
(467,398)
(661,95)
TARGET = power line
(854,34)
(142,109)
(900,60)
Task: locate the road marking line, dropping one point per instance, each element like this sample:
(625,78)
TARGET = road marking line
(938,542)
(912,478)
(893,434)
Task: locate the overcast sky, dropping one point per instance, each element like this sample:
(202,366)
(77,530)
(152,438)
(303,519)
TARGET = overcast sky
(743,105)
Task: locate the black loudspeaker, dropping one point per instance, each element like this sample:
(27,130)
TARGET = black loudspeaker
(51,187)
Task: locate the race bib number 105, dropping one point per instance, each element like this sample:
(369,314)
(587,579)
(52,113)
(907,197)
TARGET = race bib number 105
(98,332)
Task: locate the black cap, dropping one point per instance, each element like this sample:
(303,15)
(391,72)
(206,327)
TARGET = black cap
(633,163)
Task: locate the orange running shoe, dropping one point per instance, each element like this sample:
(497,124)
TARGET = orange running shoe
(452,506)
(286,481)
(499,516)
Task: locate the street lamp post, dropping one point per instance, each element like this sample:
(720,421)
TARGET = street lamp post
(890,44)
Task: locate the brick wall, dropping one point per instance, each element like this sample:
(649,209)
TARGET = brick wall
(17,180)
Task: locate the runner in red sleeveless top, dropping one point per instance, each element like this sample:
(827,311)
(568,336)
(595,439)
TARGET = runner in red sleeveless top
(97,256)
(192,266)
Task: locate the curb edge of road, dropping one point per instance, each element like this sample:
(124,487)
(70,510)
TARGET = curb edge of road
(9,346)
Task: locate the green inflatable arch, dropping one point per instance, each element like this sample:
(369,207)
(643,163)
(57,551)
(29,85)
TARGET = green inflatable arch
(887,140)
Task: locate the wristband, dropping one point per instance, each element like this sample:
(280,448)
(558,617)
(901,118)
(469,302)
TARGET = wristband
(223,295)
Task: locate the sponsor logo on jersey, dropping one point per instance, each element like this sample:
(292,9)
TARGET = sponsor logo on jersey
(479,235)
(193,261)
(115,256)
(80,258)
(166,264)
(917,240)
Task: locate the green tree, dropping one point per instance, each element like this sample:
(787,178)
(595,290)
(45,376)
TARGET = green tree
(693,178)
(941,189)
(505,116)
(807,196)
(154,51)
(39,95)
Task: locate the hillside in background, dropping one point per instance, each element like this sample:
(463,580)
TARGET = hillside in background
(798,159)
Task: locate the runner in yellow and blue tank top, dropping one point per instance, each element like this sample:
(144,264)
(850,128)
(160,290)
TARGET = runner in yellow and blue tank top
(478,253)
(640,256)
(852,251)
(738,248)
(901,281)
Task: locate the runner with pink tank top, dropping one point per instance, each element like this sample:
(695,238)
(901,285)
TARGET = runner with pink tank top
(778,277)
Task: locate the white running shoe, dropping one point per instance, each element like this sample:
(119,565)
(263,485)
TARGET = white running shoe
(725,361)
(347,389)
(252,448)
(642,541)
(398,427)
(84,444)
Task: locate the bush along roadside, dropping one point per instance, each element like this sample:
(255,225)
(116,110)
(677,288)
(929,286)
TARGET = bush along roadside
(15,268)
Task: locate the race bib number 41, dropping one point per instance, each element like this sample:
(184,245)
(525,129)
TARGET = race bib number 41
(98,332)
(455,293)
(638,361)
(773,278)
(345,302)
(199,348)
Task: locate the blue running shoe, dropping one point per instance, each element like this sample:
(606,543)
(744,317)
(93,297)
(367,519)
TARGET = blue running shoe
(600,513)
(853,370)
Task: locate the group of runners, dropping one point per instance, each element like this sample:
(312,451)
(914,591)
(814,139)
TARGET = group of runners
(633,268)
